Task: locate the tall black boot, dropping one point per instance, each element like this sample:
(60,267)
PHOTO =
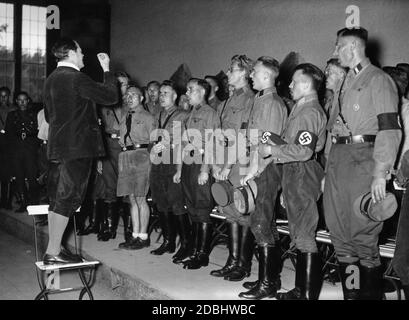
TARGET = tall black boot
(4,194)
(88,209)
(23,203)
(371,283)
(243,269)
(234,237)
(269,266)
(112,217)
(102,214)
(308,278)
(168,233)
(185,233)
(350,290)
(406,291)
(201,257)
(9,204)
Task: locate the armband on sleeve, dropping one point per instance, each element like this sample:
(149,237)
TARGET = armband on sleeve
(388,121)
(307,139)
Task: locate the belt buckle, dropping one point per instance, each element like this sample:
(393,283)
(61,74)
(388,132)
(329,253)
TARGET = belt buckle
(113,135)
(23,135)
(2,131)
(334,140)
(124,149)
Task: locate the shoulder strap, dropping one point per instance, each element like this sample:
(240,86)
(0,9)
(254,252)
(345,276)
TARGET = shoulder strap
(166,120)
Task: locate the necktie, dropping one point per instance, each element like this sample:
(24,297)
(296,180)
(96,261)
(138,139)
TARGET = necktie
(128,126)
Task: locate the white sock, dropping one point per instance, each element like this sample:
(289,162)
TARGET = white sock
(135,235)
(143,236)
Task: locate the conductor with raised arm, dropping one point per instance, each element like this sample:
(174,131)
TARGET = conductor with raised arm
(74,137)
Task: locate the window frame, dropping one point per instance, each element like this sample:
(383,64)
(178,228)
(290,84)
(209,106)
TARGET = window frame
(17,38)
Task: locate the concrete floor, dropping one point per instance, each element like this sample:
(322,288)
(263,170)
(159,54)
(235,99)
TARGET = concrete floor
(18,276)
(143,275)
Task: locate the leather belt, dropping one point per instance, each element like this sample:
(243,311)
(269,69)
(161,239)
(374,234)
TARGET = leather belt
(112,135)
(353,139)
(136,146)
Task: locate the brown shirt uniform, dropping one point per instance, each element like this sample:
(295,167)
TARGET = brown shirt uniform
(111,117)
(304,132)
(369,104)
(142,125)
(201,118)
(169,125)
(214,102)
(234,115)
(268,114)
(153,108)
(235,111)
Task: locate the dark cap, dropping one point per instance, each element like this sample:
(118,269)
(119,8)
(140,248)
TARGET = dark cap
(380,211)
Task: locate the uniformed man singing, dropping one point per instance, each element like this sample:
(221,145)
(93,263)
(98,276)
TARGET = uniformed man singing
(194,172)
(268,114)
(152,105)
(365,140)
(168,195)
(234,116)
(213,101)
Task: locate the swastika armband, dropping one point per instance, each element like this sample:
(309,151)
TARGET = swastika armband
(271,138)
(307,139)
(388,121)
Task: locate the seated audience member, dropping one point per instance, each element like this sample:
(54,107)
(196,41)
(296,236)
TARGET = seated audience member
(22,130)
(134,166)
(213,100)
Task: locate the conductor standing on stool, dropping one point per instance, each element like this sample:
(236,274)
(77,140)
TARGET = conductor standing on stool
(74,137)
